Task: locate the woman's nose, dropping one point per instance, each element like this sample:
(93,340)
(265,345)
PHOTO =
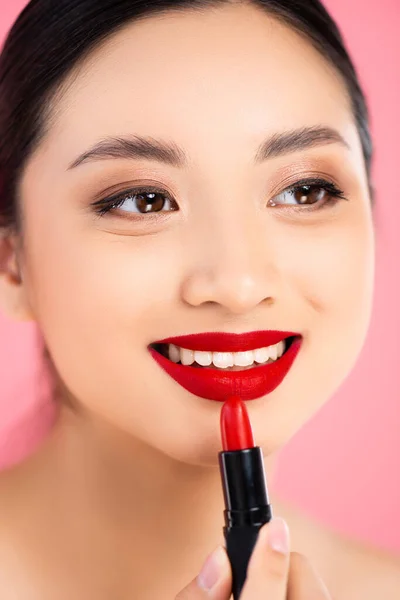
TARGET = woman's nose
(236,270)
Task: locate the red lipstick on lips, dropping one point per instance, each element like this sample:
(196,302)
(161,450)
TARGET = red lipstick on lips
(247,506)
(218,384)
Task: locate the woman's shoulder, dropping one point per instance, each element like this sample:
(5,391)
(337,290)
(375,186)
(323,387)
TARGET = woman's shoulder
(351,569)
(19,553)
(11,549)
(368,572)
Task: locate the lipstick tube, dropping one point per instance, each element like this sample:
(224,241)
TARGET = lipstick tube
(247,506)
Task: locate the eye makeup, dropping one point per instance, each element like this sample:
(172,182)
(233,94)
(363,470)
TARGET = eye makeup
(153,200)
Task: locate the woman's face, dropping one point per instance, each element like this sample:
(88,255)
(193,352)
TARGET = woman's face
(102,288)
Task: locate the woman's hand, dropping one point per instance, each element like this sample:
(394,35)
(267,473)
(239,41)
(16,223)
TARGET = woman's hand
(273,572)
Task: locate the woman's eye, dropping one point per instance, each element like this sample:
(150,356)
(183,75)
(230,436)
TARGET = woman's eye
(318,192)
(310,195)
(138,201)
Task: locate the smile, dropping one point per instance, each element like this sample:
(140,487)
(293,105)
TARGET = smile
(217,365)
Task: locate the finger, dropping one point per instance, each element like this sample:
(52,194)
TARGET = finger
(268,570)
(304,581)
(214,581)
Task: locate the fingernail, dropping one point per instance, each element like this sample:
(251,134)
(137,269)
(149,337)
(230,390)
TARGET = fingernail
(278,535)
(212,569)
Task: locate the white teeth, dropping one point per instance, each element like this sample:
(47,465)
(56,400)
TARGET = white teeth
(261,355)
(273,352)
(174,353)
(224,360)
(187,356)
(281,348)
(243,359)
(203,358)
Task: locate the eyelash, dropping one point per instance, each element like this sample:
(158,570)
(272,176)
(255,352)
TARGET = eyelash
(102,207)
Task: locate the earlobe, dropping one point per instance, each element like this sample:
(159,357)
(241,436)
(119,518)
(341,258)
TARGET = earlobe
(13,293)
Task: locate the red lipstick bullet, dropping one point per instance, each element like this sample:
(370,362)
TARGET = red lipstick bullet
(236,432)
(247,506)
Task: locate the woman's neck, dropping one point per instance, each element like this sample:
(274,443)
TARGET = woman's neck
(164,516)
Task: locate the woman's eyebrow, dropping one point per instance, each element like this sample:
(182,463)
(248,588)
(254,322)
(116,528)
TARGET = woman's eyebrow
(148,148)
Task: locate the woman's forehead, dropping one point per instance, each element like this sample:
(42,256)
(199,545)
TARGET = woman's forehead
(174,76)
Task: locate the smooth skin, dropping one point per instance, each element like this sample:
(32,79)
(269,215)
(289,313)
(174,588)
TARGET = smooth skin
(123,499)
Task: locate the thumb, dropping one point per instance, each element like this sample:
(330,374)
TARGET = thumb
(268,570)
(214,581)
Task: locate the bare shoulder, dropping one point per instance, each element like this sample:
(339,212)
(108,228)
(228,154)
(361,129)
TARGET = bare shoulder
(368,572)
(355,570)
(351,570)
(15,536)
(9,502)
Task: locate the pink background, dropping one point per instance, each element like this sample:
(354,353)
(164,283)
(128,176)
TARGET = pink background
(343,467)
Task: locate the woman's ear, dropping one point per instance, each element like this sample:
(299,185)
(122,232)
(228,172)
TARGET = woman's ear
(13,292)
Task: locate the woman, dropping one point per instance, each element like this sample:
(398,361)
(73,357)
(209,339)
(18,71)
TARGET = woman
(175,168)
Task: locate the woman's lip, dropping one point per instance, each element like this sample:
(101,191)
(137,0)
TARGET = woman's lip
(229,342)
(216,384)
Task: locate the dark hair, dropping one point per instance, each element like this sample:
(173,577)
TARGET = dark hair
(50,38)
